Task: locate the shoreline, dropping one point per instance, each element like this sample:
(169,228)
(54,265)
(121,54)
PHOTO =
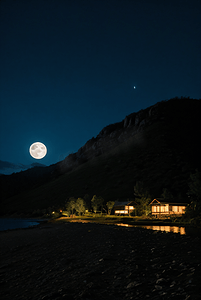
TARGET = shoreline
(122,221)
(192,229)
(109,218)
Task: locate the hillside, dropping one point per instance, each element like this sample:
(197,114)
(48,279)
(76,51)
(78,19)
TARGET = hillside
(158,145)
(7,168)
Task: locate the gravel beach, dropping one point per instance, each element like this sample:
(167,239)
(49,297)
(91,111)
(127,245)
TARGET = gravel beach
(93,261)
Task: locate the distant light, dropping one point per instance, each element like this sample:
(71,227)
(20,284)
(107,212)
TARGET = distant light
(134,87)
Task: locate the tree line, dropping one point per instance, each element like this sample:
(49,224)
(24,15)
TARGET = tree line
(78,206)
(142,200)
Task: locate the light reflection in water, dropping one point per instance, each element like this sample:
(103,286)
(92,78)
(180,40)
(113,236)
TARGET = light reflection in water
(174,229)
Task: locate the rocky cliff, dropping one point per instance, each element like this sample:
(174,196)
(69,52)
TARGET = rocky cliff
(112,136)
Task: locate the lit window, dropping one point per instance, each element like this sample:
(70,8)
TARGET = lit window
(153,208)
(121,211)
(182,230)
(175,229)
(175,209)
(162,208)
(182,209)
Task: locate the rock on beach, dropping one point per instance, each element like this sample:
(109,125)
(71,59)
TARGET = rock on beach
(94,261)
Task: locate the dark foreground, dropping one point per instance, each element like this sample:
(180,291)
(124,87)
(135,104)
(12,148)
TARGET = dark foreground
(91,261)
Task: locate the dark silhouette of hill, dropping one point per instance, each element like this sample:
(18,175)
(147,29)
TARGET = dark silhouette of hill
(158,145)
(7,168)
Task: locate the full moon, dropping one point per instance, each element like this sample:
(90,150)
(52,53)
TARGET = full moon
(38,150)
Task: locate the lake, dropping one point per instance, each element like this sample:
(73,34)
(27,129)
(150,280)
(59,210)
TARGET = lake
(10,223)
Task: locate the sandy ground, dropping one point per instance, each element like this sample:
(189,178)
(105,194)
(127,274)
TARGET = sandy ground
(93,261)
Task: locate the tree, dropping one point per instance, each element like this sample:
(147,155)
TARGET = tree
(195,185)
(101,201)
(143,199)
(140,190)
(70,206)
(80,206)
(194,193)
(166,194)
(87,201)
(97,203)
(110,205)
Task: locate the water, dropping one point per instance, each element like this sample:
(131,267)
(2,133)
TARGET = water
(175,229)
(10,223)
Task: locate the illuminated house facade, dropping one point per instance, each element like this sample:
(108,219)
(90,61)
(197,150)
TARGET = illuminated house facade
(160,208)
(124,208)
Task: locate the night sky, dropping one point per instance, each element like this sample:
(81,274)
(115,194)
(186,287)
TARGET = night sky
(68,67)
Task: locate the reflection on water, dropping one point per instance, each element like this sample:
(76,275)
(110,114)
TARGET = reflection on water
(174,229)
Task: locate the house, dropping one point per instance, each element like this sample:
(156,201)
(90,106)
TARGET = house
(124,207)
(161,207)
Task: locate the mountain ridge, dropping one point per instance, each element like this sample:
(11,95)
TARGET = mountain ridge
(158,145)
(112,135)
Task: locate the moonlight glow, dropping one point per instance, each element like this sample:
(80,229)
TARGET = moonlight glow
(38,150)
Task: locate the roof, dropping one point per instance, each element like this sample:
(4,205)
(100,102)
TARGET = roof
(123,203)
(164,202)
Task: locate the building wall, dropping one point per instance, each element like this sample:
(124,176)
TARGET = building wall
(168,209)
(177,209)
(123,210)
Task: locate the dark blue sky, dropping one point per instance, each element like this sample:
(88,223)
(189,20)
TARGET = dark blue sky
(68,67)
